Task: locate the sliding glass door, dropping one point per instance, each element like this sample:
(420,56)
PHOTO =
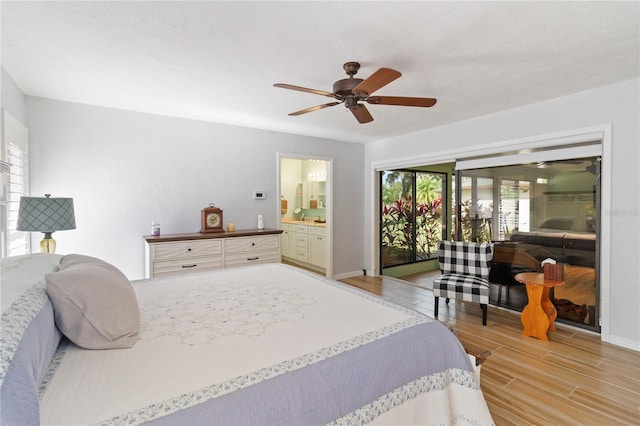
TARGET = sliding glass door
(529,211)
(413,216)
(532,212)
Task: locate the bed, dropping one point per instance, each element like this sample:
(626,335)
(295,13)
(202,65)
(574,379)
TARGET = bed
(263,344)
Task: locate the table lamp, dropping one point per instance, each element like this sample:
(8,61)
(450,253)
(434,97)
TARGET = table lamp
(47,215)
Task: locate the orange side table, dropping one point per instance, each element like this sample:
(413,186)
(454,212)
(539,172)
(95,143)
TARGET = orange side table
(539,315)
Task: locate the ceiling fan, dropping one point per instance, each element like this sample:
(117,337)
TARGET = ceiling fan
(351,91)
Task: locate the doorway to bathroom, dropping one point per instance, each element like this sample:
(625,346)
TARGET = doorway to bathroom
(305,212)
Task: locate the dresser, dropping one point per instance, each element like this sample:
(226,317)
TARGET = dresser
(184,253)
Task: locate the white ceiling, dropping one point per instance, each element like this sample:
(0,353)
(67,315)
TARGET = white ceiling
(218,61)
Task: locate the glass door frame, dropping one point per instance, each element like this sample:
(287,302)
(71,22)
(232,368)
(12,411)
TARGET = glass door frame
(445,207)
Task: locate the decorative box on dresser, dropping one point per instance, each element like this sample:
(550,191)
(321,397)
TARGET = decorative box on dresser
(183,253)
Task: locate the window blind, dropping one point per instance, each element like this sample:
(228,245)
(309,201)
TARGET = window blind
(17,186)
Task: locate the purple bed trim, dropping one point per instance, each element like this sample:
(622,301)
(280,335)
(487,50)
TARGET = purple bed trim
(334,387)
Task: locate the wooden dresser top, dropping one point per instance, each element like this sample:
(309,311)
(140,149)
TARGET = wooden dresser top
(209,235)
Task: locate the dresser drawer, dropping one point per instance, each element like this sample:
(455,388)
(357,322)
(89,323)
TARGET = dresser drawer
(302,229)
(242,259)
(166,267)
(185,250)
(252,244)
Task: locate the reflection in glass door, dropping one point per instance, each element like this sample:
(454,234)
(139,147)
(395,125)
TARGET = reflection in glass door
(476,209)
(533,212)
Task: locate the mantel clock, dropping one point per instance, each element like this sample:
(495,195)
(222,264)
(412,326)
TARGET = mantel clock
(211,219)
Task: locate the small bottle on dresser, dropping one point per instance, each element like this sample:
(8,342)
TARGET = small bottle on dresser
(155,228)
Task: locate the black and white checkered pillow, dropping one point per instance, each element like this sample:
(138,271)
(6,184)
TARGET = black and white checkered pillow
(458,257)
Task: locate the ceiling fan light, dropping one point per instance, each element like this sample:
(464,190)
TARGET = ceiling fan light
(351,102)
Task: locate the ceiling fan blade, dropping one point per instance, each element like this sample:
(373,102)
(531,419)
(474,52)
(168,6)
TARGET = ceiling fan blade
(378,79)
(315,108)
(361,113)
(305,89)
(402,101)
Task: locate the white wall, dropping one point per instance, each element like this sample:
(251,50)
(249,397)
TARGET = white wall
(13,100)
(125,169)
(618,105)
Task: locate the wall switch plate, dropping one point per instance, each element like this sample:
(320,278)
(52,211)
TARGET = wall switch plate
(260,195)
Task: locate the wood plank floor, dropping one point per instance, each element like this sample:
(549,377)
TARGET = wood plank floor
(574,379)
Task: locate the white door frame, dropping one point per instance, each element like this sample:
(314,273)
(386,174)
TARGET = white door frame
(328,255)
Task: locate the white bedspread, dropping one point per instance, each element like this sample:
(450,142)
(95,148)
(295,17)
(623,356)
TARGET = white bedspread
(19,273)
(205,335)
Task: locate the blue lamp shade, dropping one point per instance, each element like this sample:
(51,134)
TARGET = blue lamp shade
(45,214)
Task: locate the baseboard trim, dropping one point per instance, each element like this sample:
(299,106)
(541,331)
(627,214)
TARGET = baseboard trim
(346,275)
(625,343)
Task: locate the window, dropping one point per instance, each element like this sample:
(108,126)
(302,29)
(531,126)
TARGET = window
(15,184)
(17,241)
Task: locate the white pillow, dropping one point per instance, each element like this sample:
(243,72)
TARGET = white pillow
(94,303)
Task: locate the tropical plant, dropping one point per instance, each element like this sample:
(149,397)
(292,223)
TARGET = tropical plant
(397,235)
(428,187)
(428,227)
(398,226)
(411,230)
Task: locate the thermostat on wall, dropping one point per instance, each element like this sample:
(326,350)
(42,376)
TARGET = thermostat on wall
(260,195)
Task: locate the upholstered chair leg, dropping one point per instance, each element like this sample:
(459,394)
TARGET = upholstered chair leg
(435,309)
(484,314)
(446,300)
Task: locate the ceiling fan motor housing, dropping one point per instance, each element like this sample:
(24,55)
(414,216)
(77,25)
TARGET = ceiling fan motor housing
(343,87)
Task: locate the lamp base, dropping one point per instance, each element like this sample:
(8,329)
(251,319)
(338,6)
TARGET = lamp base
(48,244)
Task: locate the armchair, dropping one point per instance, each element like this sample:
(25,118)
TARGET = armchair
(465,273)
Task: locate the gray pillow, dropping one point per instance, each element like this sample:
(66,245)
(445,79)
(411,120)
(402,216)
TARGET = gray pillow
(94,303)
